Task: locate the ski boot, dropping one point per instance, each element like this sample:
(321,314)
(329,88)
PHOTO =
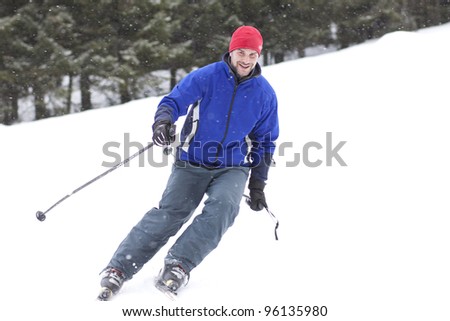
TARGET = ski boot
(112,281)
(171,279)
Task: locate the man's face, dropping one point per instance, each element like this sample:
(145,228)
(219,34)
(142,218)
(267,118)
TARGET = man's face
(243,61)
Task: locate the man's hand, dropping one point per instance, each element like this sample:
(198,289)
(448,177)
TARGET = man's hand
(257,197)
(162,135)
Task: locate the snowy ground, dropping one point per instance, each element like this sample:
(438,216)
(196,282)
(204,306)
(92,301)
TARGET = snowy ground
(369,240)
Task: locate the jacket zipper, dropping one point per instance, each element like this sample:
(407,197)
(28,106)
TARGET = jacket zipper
(219,148)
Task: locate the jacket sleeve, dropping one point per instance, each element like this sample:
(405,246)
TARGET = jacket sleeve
(260,172)
(263,139)
(177,102)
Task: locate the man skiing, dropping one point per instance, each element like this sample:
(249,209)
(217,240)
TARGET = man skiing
(229,134)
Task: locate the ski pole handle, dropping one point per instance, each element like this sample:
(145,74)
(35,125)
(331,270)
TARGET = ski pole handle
(172,133)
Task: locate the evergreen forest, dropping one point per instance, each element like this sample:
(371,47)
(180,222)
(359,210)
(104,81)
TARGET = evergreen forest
(56,55)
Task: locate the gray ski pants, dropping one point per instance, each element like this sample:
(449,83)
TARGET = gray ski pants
(185,189)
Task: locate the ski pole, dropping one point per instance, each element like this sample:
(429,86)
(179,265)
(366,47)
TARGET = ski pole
(41,215)
(274,218)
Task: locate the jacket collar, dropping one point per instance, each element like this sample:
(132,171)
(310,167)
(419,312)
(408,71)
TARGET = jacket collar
(256,72)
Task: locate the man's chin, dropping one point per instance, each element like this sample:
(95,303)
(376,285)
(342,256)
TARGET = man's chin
(244,72)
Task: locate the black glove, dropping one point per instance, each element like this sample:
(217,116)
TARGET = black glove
(162,133)
(257,197)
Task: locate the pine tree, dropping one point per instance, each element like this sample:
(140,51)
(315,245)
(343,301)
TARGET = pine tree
(33,60)
(198,33)
(10,80)
(359,20)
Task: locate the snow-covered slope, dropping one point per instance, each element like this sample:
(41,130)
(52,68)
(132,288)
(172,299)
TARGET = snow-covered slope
(368,240)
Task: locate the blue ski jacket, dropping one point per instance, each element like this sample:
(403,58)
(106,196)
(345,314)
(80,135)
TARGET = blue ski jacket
(230,121)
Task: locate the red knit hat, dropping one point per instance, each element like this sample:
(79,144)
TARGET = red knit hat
(246,37)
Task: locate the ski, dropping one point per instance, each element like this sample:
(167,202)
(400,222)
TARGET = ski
(105,294)
(168,292)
